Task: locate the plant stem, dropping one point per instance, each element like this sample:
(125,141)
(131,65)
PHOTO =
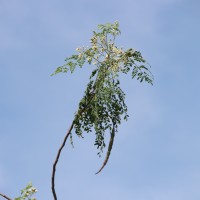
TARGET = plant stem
(56,161)
(3,195)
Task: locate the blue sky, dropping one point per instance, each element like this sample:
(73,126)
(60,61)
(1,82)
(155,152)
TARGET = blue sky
(156,153)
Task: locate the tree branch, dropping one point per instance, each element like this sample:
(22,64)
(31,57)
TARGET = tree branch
(56,161)
(3,195)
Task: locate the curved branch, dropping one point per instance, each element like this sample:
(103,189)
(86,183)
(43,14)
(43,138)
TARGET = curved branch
(56,161)
(60,149)
(109,149)
(3,195)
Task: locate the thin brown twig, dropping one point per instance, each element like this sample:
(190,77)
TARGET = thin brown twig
(3,195)
(56,161)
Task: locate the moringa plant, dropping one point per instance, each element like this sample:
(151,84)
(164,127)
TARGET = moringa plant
(26,193)
(103,104)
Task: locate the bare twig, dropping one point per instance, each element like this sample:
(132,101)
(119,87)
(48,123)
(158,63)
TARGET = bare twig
(3,195)
(56,161)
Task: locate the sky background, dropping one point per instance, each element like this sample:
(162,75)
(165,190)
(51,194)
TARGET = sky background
(156,154)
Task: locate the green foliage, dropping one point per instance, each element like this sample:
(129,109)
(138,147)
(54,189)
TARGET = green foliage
(27,193)
(103,104)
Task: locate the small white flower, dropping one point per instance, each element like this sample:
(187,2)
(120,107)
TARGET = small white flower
(94,47)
